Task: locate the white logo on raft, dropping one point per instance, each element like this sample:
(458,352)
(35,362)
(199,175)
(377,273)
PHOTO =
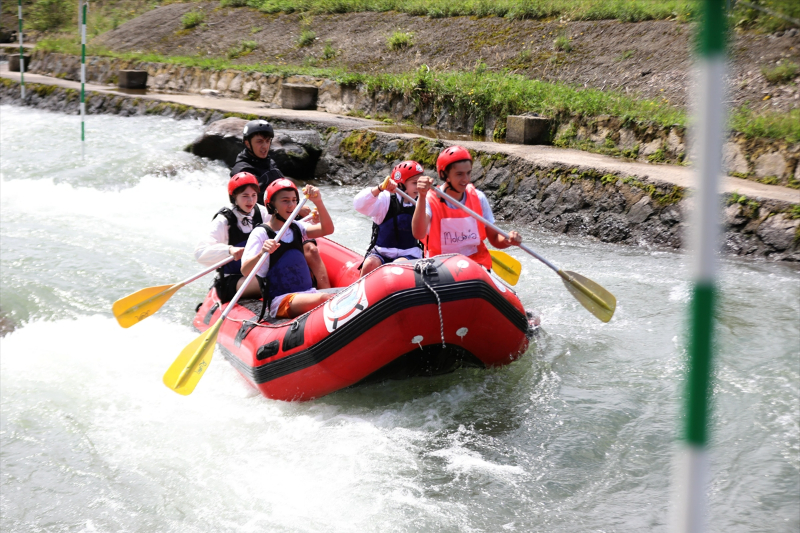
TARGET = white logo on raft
(345,306)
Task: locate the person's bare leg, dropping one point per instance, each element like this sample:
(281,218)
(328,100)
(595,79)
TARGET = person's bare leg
(304,302)
(252,290)
(316,265)
(370,264)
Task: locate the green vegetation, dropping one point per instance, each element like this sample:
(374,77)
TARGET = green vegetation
(192,19)
(562,43)
(329,52)
(400,40)
(624,10)
(48,15)
(307,38)
(747,17)
(242,49)
(628,10)
(783,72)
(771,125)
(358,144)
(627,54)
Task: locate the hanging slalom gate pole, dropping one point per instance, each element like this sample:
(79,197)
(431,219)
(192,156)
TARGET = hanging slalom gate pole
(21,52)
(691,473)
(83,74)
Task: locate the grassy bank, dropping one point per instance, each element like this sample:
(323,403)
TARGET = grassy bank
(484,93)
(624,10)
(54,15)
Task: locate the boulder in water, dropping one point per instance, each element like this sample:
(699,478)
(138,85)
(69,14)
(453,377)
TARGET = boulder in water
(296,152)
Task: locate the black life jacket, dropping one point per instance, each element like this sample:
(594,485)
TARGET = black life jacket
(395,230)
(236,237)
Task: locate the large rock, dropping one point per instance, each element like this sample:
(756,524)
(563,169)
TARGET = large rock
(771,164)
(778,231)
(296,152)
(640,211)
(733,160)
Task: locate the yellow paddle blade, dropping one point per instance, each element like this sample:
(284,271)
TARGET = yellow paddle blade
(135,307)
(505,266)
(592,296)
(191,364)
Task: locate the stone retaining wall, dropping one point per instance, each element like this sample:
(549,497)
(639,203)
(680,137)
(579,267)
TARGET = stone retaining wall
(624,209)
(768,161)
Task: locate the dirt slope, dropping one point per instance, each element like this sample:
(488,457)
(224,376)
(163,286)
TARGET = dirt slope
(649,59)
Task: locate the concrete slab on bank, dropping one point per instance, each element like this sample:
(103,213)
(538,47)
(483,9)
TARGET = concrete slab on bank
(540,155)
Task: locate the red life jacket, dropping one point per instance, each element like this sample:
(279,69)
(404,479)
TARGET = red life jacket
(454,231)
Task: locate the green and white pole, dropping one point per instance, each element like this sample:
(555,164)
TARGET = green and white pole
(21,52)
(83,75)
(692,469)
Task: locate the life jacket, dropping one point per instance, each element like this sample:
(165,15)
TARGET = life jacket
(236,237)
(454,231)
(288,270)
(395,230)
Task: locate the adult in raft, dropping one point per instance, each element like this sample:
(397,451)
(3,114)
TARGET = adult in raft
(255,159)
(392,238)
(228,234)
(285,277)
(447,229)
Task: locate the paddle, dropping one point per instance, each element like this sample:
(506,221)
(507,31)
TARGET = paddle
(507,267)
(592,296)
(143,303)
(184,373)
(135,307)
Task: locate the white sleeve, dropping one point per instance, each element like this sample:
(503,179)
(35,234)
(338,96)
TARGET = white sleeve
(374,207)
(214,246)
(485,207)
(255,241)
(303,230)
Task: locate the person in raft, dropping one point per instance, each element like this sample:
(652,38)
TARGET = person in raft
(230,228)
(285,276)
(392,239)
(255,159)
(447,230)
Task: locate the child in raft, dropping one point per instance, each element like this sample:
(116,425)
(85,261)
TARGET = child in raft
(392,239)
(447,229)
(230,228)
(286,278)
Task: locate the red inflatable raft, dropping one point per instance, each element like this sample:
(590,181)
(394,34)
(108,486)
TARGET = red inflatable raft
(391,324)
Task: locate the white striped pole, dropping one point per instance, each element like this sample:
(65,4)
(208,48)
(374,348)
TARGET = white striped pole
(83,74)
(691,472)
(21,52)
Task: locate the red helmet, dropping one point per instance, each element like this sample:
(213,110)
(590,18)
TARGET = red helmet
(405,170)
(240,180)
(279,185)
(451,155)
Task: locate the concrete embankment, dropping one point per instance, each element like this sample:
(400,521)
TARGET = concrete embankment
(561,191)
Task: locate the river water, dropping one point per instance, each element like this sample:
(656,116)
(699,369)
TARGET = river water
(576,436)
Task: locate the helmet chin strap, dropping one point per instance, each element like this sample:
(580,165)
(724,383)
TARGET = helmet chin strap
(279,217)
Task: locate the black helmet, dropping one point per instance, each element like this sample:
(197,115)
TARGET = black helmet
(258,126)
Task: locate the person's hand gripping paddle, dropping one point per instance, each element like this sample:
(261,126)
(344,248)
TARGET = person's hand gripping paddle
(589,294)
(191,364)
